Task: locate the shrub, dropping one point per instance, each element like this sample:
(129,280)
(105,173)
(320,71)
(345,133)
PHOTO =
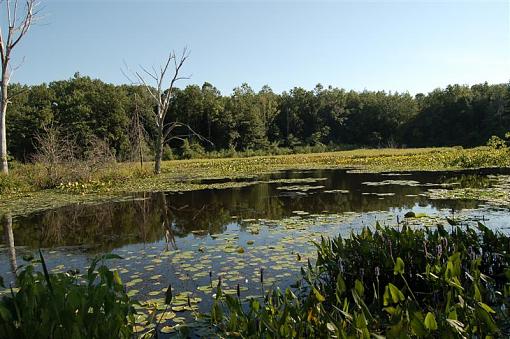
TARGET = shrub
(98,155)
(11,183)
(496,142)
(192,150)
(168,154)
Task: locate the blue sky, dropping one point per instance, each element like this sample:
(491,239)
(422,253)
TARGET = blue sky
(412,46)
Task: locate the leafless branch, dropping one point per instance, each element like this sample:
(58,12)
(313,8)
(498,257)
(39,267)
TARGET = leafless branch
(124,72)
(162,91)
(188,127)
(26,22)
(153,76)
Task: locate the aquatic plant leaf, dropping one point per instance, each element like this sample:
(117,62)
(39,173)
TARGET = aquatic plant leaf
(340,285)
(399,266)
(451,221)
(116,278)
(392,295)
(132,293)
(318,295)
(138,328)
(486,307)
(430,322)
(167,329)
(456,325)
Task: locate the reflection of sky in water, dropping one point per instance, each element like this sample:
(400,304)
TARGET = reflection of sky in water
(265,213)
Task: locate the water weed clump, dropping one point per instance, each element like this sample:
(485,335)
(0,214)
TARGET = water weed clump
(387,282)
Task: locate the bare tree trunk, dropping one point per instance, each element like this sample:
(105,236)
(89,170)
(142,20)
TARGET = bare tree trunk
(3,131)
(140,150)
(17,27)
(160,143)
(9,239)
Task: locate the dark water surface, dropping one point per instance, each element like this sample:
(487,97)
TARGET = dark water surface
(186,237)
(108,226)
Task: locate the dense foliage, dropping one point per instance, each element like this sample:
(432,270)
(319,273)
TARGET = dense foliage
(67,305)
(390,282)
(322,118)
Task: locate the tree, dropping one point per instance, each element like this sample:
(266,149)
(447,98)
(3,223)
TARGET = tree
(89,109)
(17,28)
(269,105)
(245,108)
(162,96)
(31,109)
(213,107)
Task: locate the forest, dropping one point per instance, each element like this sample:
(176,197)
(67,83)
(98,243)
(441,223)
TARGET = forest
(298,120)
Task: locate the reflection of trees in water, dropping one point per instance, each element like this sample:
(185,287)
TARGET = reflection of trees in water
(9,240)
(195,211)
(166,222)
(469,180)
(104,226)
(153,217)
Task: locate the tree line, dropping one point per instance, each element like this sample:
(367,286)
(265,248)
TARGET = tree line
(124,117)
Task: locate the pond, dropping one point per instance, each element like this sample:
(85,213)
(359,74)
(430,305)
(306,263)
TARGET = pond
(255,236)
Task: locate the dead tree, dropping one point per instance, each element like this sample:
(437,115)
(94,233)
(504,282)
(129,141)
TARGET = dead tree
(18,25)
(161,92)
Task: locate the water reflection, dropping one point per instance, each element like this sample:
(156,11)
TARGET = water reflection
(150,217)
(9,240)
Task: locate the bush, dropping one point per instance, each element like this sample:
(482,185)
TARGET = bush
(57,162)
(11,183)
(168,154)
(98,155)
(394,283)
(192,150)
(317,148)
(496,142)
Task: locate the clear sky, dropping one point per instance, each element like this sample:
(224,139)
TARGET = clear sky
(412,46)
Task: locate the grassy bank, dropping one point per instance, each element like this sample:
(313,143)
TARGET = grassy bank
(27,190)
